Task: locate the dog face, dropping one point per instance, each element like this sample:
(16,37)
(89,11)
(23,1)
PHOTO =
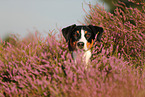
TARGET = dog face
(81,37)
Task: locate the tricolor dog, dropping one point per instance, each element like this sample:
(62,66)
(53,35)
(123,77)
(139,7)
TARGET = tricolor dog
(81,38)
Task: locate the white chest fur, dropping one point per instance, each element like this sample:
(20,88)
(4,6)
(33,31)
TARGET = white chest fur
(83,56)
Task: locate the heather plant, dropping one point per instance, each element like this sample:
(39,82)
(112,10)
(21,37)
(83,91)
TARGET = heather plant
(120,30)
(38,66)
(43,67)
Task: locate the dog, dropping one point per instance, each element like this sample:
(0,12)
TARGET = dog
(81,38)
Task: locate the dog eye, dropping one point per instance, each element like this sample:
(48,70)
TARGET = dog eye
(76,35)
(88,35)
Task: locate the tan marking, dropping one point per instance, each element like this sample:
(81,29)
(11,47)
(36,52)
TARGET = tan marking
(89,45)
(78,32)
(75,34)
(86,32)
(72,44)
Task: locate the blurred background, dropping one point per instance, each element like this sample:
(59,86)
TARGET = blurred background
(26,16)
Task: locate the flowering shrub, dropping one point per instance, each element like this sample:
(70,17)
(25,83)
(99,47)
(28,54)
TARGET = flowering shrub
(125,30)
(35,66)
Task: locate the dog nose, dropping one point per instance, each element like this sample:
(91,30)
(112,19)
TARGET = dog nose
(80,44)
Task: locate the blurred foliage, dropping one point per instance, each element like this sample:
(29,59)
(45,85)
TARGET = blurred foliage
(124,28)
(112,7)
(133,4)
(10,39)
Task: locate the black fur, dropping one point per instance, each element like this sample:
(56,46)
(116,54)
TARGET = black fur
(68,31)
(96,30)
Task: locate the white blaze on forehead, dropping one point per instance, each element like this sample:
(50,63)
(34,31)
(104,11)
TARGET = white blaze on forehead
(83,39)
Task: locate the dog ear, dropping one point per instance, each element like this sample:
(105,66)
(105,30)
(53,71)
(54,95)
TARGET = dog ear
(96,30)
(66,31)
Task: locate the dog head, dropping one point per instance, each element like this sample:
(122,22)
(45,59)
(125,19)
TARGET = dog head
(81,37)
